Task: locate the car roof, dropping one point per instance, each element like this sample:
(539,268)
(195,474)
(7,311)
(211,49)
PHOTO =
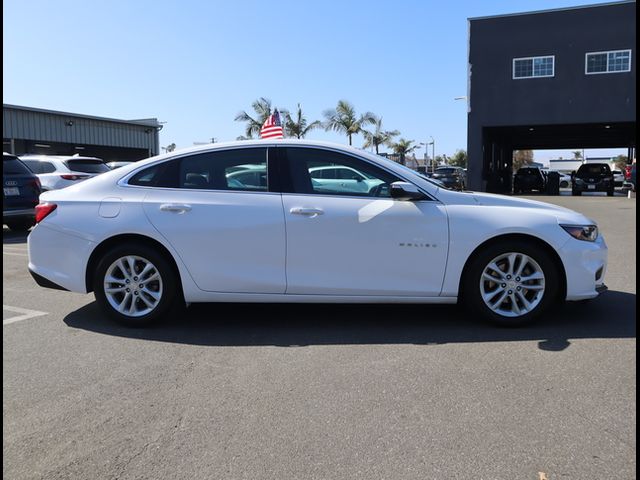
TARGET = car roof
(61,158)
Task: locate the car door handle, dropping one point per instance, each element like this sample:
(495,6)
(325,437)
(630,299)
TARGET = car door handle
(175,207)
(307,212)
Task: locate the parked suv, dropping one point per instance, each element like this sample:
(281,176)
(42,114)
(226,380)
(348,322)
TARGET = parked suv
(527,179)
(56,171)
(20,193)
(451,177)
(593,177)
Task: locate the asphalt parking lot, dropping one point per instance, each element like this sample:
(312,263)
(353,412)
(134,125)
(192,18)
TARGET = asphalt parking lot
(323,391)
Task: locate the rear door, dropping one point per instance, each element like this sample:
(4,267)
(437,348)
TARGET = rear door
(230,234)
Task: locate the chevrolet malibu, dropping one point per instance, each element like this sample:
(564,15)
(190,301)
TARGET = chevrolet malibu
(180,228)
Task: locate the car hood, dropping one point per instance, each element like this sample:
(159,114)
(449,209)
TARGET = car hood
(561,214)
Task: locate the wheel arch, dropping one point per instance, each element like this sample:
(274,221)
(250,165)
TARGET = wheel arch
(518,237)
(111,242)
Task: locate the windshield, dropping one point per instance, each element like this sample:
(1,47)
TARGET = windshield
(87,166)
(594,169)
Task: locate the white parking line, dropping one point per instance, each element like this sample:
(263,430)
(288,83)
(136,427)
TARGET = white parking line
(26,314)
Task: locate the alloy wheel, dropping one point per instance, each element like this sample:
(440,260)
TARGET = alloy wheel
(512,284)
(133,286)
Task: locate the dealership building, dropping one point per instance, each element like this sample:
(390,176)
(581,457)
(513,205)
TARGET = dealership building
(554,79)
(49,132)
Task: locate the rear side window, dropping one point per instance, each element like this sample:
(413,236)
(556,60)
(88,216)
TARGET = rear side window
(147,177)
(243,169)
(13,166)
(36,166)
(87,166)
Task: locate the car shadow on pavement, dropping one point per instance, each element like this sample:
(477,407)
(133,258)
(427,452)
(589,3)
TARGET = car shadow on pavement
(612,315)
(10,237)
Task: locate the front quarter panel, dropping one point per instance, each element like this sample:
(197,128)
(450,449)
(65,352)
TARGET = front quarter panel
(472,225)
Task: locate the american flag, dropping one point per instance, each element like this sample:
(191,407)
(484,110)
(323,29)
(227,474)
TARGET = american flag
(272,127)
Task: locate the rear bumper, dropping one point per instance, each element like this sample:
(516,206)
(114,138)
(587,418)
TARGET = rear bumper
(59,258)
(44,282)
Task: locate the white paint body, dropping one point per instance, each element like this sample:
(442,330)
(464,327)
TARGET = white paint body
(249,247)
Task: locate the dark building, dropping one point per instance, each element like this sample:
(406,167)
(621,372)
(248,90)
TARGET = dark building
(34,130)
(554,79)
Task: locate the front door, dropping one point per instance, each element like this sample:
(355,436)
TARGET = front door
(357,243)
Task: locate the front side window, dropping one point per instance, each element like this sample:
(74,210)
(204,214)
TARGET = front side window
(608,62)
(533,67)
(323,172)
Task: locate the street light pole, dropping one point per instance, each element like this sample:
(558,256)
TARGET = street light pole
(433,152)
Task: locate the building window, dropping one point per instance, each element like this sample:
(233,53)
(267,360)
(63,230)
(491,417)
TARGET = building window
(533,67)
(608,62)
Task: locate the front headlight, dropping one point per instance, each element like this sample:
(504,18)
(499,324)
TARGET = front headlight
(588,233)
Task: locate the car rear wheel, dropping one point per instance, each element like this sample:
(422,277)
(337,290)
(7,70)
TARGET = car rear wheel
(610,193)
(511,284)
(576,193)
(135,285)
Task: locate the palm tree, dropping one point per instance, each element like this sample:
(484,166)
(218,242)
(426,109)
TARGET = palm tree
(299,127)
(343,119)
(378,136)
(403,147)
(263,109)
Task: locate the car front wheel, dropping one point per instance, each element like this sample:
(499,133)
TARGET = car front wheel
(511,284)
(135,285)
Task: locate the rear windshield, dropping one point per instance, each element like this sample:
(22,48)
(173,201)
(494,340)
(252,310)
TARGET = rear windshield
(13,166)
(594,169)
(87,166)
(446,171)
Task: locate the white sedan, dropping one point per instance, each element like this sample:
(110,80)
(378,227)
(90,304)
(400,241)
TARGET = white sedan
(148,236)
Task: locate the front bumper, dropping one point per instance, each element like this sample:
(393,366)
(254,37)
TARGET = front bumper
(585,266)
(593,187)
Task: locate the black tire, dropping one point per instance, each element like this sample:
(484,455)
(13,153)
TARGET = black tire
(471,293)
(576,193)
(169,298)
(610,193)
(20,225)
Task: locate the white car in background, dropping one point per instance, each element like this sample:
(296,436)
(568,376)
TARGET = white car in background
(183,227)
(618,178)
(59,171)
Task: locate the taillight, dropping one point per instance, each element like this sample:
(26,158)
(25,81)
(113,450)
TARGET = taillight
(74,177)
(36,183)
(43,210)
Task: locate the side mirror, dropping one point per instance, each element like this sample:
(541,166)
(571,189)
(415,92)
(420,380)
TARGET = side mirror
(406,191)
